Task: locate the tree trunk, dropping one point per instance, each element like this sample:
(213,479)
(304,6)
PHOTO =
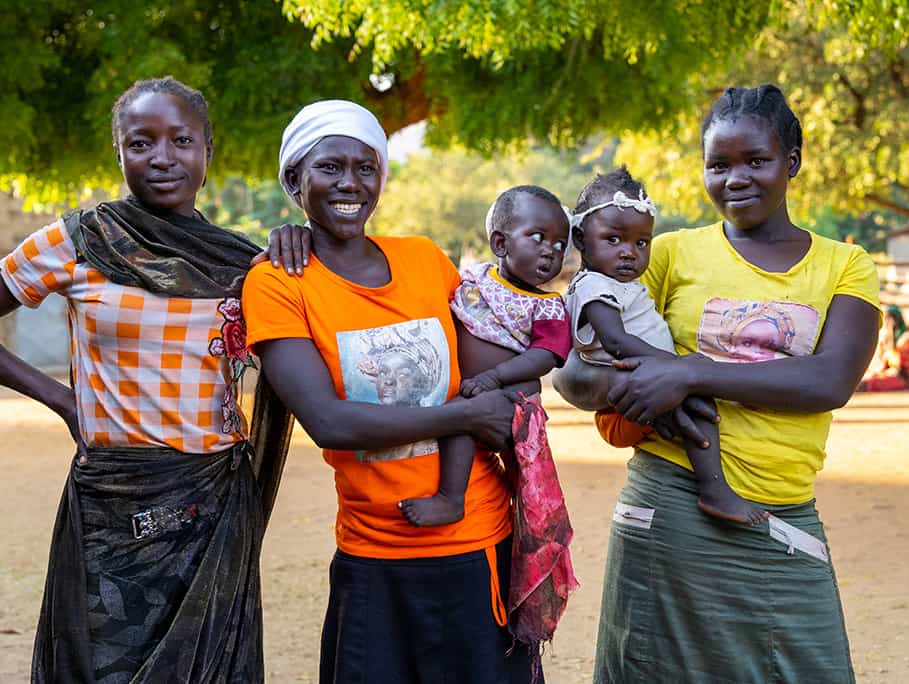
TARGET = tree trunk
(403,104)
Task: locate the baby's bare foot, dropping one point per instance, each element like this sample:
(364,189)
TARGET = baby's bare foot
(432,510)
(720,501)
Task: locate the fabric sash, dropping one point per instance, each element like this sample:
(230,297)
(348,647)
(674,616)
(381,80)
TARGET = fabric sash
(163,252)
(542,576)
(154,571)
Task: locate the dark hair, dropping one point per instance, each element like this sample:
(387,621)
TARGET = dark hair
(504,209)
(168,86)
(765,102)
(604,186)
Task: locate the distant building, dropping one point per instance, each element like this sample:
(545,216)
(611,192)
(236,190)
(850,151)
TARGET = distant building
(40,336)
(898,246)
(894,270)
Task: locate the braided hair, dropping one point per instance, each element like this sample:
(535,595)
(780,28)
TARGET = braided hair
(765,102)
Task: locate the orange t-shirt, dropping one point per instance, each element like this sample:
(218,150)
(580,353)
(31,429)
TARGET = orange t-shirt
(396,345)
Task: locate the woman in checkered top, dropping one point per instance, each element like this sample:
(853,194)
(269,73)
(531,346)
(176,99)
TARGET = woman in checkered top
(153,572)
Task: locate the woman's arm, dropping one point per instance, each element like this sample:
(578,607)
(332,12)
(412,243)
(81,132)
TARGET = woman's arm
(298,374)
(820,382)
(28,380)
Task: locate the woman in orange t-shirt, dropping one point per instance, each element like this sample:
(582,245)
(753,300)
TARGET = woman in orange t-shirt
(363,350)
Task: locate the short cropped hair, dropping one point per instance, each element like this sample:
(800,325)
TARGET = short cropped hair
(167,85)
(504,207)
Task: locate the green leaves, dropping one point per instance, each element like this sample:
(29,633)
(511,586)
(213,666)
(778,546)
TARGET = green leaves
(845,73)
(487,75)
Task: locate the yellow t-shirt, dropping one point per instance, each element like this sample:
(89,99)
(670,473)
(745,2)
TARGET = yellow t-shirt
(724,307)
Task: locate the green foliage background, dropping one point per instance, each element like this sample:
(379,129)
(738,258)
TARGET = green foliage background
(502,78)
(486,74)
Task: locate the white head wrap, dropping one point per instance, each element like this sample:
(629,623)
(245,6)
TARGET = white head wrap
(492,210)
(620,200)
(330,117)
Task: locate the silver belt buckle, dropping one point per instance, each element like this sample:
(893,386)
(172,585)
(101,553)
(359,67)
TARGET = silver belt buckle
(144,525)
(162,519)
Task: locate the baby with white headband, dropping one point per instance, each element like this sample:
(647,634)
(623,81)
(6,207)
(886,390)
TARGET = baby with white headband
(613,317)
(510,332)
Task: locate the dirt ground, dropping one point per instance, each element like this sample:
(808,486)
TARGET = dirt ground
(863,496)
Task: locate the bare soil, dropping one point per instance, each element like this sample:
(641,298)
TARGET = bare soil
(863,496)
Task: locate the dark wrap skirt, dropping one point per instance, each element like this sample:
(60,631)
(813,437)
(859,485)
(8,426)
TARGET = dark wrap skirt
(154,571)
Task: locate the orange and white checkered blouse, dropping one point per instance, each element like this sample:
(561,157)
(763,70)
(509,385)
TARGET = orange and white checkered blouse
(148,370)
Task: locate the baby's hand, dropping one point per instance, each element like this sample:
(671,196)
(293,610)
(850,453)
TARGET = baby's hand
(484,382)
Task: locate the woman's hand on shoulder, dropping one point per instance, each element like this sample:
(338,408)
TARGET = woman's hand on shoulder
(288,245)
(489,417)
(649,386)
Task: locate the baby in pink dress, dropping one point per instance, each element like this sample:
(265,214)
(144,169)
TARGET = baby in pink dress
(510,332)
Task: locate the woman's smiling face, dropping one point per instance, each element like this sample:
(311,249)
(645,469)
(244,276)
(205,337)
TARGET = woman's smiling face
(339,181)
(746,170)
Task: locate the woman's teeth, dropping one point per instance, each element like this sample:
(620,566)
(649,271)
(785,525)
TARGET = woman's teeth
(349,209)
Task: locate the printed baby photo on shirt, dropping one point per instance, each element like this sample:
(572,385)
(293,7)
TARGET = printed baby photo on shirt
(739,331)
(404,364)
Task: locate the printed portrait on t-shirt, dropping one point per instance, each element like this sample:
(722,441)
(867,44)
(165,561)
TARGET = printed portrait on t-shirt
(405,364)
(739,331)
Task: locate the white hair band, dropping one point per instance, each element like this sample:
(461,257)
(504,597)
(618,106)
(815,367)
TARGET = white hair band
(621,201)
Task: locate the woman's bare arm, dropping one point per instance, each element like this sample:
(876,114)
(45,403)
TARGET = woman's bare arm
(296,370)
(28,380)
(819,382)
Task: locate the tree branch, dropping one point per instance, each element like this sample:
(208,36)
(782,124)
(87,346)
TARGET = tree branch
(895,68)
(896,208)
(859,97)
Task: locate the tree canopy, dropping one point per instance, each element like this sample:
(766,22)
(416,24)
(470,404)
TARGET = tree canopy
(485,74)
(845,70)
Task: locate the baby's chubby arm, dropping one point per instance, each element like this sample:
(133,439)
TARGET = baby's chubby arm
(528,366)
(607,324)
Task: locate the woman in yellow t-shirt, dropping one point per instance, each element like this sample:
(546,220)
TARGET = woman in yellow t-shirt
(362,348)
(778,324)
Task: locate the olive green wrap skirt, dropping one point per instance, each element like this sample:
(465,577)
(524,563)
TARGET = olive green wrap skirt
(690,598)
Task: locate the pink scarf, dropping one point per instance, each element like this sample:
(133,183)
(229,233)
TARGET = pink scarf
(541,572)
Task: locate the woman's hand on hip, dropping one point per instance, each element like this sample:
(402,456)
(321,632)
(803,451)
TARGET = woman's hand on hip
(490,416)
(649,387)
(288,245)
(67,411)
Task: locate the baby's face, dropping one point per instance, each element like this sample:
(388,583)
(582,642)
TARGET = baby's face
(616,242)
(758,340)
(535,244)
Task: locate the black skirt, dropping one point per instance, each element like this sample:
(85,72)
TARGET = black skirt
(419,621)
(154,572)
